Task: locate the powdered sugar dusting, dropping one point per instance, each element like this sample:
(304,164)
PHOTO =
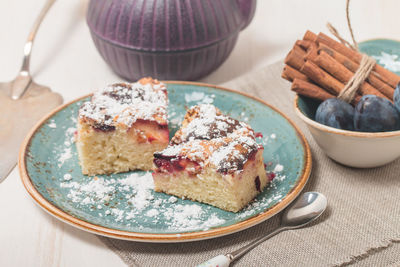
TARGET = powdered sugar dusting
(125,103)
(278,168)
(94,192)
(190,217)
(228,157)
(199,98)
(67,177)
(52,124)
(141,187)
(210,137)
(67,154)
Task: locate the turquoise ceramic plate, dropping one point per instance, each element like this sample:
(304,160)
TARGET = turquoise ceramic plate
(120,207)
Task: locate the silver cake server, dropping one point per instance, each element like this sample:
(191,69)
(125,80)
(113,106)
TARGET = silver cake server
(22,103)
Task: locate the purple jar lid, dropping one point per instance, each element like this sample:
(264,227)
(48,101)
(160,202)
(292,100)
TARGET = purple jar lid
(168,25)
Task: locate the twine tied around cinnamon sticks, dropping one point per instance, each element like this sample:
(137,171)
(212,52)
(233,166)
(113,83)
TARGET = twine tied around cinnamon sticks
(349,91)
(366,65)
(321,68)
(336,33)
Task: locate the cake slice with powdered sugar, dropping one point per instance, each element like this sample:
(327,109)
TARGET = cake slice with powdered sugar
(121,127)
(213,159)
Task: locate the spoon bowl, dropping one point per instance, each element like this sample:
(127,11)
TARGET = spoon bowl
(305,209)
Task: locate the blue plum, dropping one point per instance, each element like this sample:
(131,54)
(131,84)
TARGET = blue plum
(376,114)
(336,113)
(396,97)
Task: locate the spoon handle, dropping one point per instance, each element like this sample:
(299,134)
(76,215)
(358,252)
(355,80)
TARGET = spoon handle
(218,261)
(241,251)
(225,260)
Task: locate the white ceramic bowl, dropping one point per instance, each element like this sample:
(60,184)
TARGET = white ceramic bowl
(350,148)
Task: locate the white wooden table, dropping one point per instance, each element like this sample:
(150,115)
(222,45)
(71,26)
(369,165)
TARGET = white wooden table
(65,59)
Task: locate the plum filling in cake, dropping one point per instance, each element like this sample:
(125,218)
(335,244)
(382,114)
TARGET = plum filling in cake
(213,159)
(175,164)
(149,132)
(121,127)
(103,127)
(258,183)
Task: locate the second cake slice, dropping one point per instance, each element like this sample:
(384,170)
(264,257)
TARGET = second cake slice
(213,159)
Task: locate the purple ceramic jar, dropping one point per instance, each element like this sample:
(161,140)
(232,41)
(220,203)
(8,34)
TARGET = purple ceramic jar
(167,39)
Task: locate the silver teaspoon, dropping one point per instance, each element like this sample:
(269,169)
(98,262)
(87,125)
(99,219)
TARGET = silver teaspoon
(305,209)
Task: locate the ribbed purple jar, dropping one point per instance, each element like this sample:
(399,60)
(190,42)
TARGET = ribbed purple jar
(167,39)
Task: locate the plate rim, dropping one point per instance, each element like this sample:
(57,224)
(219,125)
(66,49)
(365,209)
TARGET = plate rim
(164,238)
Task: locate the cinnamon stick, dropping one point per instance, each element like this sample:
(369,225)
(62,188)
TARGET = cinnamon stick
(384,74)
(322,78)
(310,90)
(312,53)
(325,80)
(295,59)
(305,44)
(299,50)
(310,36)
(343,74)
(373,79)
(290,74)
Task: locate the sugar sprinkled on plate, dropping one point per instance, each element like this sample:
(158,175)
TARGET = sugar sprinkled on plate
(172,199)
(199,97)
(152,213)
(52,124)
(65,155)
(137,189)
(67,177)
(278,168)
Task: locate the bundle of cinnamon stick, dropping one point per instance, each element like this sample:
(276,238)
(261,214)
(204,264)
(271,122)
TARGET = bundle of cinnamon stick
(319,67)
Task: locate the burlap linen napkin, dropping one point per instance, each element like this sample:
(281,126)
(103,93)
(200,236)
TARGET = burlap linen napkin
(361,225)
